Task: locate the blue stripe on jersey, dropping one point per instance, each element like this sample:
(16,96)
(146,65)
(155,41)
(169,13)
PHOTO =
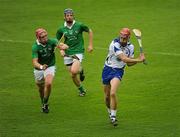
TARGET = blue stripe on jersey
(116,49)
(128,52)
(117,40)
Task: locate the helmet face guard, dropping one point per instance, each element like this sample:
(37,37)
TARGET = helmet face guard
(39,32)
(124,36)
(68,15)
(68,10)
(125,33)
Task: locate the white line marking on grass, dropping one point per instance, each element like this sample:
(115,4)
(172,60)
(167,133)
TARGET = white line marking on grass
(14,41)
(164,53)
(99,48)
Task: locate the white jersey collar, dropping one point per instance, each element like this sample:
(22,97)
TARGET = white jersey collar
(65,24)
(37,41)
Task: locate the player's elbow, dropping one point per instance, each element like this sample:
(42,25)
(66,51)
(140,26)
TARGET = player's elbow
(124,59)
(90,32)
(34,62)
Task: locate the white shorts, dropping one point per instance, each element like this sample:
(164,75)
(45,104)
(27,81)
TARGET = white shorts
(69,60)
(39,75)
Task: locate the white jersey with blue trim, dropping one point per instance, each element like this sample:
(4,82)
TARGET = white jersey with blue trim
(115,49)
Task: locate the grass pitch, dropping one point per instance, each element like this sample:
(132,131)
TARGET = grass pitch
(148,96)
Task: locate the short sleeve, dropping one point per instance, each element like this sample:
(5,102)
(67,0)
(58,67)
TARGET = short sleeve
(54,42)
(85,28)
(59,34)
(34,52)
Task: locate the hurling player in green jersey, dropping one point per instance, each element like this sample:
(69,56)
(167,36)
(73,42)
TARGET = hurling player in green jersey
(43,59)
(72,33)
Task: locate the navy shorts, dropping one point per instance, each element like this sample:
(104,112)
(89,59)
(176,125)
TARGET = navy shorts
(109,73)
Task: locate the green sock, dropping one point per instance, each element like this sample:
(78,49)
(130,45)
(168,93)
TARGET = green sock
(81,89)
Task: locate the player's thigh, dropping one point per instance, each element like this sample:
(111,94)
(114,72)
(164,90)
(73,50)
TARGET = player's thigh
(115,82)
(107,89)
(39,76)
(75,68)
(49,74)
(49,79)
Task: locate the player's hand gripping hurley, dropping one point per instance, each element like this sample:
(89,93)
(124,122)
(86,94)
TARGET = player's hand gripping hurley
(138,35)
(65,55)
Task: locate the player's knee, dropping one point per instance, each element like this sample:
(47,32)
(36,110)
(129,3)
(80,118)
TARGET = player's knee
(73,75)
(48,84)
(112,94)
(74,72)
(40,84)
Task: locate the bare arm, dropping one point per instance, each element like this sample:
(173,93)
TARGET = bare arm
(131,64)
(90,47)
(37,65)
(62,47)
(131,61)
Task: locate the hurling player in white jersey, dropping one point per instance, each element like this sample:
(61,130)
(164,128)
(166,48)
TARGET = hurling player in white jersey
(121,53)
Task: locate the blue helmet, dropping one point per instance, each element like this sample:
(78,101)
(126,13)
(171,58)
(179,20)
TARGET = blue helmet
(68,10)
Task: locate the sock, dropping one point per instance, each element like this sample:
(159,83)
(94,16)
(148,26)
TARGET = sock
(113,113)
(81,89)
(45,100)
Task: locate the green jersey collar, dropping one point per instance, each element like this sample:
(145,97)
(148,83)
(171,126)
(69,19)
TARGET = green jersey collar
(65,24)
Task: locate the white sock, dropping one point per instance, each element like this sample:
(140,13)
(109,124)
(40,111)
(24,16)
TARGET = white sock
(113,113)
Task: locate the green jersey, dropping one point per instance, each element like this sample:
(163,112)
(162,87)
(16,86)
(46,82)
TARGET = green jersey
(73,37)
(45,53)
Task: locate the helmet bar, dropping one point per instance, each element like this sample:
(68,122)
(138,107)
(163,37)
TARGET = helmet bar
(39,31)
(68,10)
(125,32)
